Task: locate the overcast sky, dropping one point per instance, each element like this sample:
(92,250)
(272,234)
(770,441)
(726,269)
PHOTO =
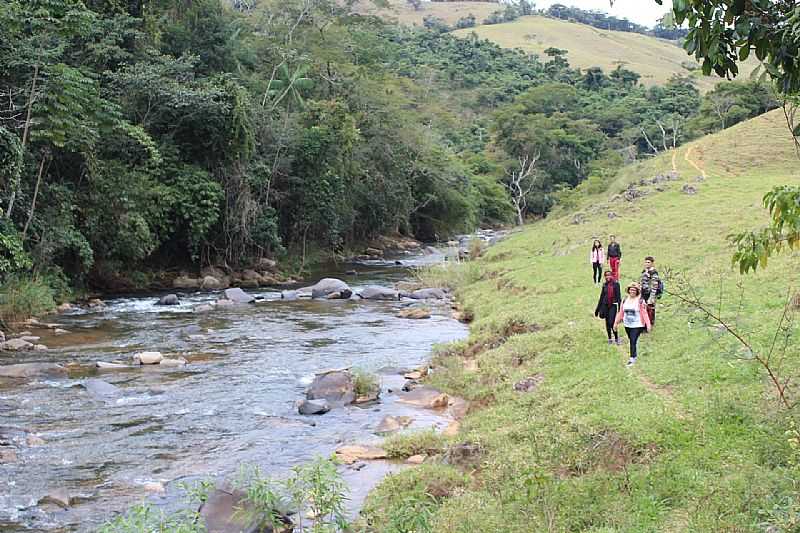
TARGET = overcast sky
(645,12)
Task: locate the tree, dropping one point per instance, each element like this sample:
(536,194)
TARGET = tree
(521,181)
(416,4)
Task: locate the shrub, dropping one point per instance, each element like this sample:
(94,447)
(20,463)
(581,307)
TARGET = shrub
(22,297)
(402,445)
(364,382)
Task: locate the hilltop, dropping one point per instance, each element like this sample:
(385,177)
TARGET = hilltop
(655,59)
(450,12)
(691,438)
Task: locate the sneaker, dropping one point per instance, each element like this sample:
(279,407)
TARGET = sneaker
(631,361)
(610,341)
(618,342)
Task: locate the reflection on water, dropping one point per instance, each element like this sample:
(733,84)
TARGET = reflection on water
(232,404)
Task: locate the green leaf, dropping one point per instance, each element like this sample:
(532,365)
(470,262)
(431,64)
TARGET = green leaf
(744,53)
(796,131)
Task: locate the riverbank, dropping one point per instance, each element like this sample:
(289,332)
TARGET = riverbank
(564,437)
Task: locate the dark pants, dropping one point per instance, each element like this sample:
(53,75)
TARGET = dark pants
(614,263)
(651,308)
(611,315)
(597,272)
(633,337)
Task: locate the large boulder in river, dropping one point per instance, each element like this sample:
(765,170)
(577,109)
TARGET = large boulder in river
(379,293)
(428,294)
(148,358)
(17,345)
(230,512)
(29,370)
(169,299)
(313,407)
(238,296)
(101,389)
(324,288)
(335,386)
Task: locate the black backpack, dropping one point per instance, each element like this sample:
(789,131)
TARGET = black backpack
(660,289)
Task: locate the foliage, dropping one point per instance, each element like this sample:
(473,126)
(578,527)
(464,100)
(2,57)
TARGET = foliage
(143,517)
(22,296)
(364,383)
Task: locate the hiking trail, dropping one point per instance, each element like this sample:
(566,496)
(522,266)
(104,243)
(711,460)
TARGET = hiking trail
(663,392)
(688,158)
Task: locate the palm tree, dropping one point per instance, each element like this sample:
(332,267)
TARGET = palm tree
(288,86)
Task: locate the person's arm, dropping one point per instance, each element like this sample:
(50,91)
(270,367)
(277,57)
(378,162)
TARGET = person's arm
(619,318)
(600,301)
(617,294)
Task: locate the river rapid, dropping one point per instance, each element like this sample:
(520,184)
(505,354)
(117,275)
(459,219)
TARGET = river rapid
(233,404)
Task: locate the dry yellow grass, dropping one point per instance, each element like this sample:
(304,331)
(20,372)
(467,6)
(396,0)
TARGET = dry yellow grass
(450,12)
(655,59)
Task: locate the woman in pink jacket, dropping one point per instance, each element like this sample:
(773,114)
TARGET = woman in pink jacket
(633,315)
(597,257)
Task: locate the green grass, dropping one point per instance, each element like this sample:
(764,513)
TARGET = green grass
(450,12)
(691,438)
(655,59)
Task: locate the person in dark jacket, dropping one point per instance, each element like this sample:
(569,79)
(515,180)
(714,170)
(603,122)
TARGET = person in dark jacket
(608,305)
(614,254)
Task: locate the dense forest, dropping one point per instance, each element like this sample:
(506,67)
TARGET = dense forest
(665,29)
(144,134)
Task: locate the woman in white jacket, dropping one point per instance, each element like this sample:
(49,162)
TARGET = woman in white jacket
(597,257)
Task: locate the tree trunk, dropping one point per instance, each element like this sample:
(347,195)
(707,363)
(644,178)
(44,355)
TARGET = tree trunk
(25,131)
(45,157)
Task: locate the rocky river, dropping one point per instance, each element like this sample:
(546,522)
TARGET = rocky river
(232,404)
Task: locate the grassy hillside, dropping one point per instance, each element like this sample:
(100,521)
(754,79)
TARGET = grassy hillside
(655,59)
(691,438)
(450,12)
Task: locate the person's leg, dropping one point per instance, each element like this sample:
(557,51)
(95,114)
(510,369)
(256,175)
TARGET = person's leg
(651,311)
(633,337)
(597,272)
(614,263)
(610,317)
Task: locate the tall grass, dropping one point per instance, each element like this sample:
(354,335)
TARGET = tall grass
(25,296)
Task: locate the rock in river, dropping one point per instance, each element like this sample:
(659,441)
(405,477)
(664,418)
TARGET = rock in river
(17,345)
(335,386)
(379,293)
(148,358)
(428,294)
(415,313)
(328,286)
(28,370)
(169,299)
(238,296)
(100,389)
(426,398)
(313,407)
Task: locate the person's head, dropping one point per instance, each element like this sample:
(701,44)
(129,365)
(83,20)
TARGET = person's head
(612,238)
(649,262)
(609,276)
(633,290)
(597,244)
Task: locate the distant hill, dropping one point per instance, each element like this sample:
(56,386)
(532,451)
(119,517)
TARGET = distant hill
(655,59)
(450,12)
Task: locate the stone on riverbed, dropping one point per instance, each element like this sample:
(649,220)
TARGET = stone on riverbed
(355,452)
(59,497)
(391,424)
(29,370)
(426,397)
(147,358)
(204,308)
(230,512)
(313,407)
(416,313)
(428,294)
(7,455)
(328,286)
(172,362)
(379,293)
(102,365)
(169,299)
(210,283)
(238,296)
(100,389)
(335,386)
(17,345)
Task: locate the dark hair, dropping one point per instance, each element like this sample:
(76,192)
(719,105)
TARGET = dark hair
(650,258)
(598,242)
(608,273)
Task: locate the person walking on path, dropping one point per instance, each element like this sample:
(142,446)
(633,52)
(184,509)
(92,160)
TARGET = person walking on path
(614,256)
(651,286)
(633,315)
(608,306)
(597,257)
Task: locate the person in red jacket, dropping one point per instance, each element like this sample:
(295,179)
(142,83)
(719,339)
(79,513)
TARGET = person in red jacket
(614,256)
(634,316)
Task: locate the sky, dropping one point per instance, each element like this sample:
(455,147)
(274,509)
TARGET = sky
(645,12)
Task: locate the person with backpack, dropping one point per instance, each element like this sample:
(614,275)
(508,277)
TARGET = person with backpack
(597,257)
(614,256)
(608,306)
(652,287)
(633,315)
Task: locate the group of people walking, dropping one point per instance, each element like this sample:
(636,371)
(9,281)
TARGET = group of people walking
(636,309)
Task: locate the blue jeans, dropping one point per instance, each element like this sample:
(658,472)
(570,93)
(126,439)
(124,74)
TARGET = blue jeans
(633,337)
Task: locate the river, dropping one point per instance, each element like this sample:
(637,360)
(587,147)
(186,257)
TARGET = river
(232,404)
